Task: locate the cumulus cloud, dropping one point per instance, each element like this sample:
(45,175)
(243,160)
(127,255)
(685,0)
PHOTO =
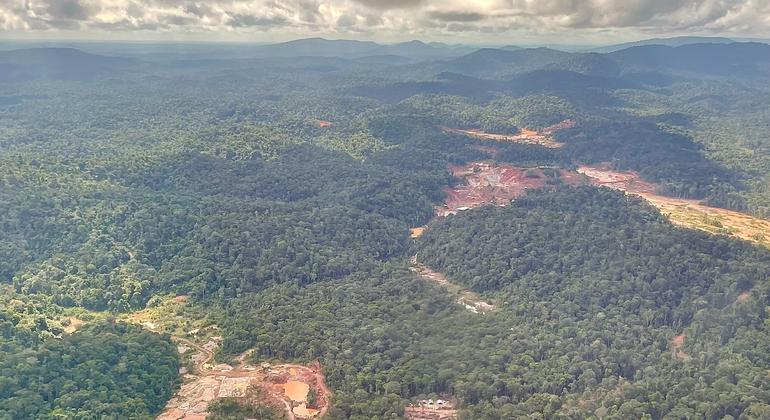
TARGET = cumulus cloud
(455,16)
(391,4)
(391,18)
(245,21)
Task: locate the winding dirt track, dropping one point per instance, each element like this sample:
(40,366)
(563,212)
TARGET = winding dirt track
(471,301)
(209,354)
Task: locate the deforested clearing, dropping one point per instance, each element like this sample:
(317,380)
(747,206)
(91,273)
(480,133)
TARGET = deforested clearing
(489,183)
(524,136)
(683,212)
(284,386)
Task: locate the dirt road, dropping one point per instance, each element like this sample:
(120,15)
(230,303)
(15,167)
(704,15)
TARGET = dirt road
(469,300)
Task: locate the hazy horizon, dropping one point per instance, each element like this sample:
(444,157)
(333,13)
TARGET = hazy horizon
(490,22)
(161,42)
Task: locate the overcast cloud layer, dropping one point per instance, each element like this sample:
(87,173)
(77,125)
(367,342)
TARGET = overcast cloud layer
(491,21)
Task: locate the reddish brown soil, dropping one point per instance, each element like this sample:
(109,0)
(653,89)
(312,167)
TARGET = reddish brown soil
(628,181)
(743,297)
(324,124)
(676,347)
(683,212)
(207,383)
(497,184)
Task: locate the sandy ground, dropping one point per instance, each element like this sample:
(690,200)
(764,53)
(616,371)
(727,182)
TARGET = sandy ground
(73,326)
(523,137)
(415,233)
(683,212)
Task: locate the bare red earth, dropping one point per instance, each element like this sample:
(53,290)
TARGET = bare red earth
(676,346)
(496,184)
(629,181)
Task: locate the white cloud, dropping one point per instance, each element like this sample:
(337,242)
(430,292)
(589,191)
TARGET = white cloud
(390,19)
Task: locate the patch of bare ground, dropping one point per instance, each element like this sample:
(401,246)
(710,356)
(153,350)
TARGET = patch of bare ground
(467,299)
(72,324)
(281,385)
(418,412)
(490,183)
(439,409)
(676,347)
(205,381)
(683,212)
(524,136)
(415,233)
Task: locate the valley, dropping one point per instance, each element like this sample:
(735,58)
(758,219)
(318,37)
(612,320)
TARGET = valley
(349,230)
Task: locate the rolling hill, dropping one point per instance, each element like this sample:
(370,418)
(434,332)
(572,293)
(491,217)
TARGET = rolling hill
(55,64)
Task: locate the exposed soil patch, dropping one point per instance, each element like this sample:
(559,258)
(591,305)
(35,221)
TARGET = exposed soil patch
(628,181)
(283,385)
(296,390)
(324,124)
(415,233)
(683,212)
(205,381)
(676,347)
(73,325)
(524,136)
(426,413)
(469,300)
(743,297)
(497,184)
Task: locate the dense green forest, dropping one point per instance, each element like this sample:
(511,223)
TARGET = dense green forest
(216,179)
(581,329)
(107,370)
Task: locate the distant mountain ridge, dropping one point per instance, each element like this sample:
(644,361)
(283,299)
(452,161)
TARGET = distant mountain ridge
(321,47)
(669,42)
(55,64)
(487,62)
(746,59)
(488,71)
